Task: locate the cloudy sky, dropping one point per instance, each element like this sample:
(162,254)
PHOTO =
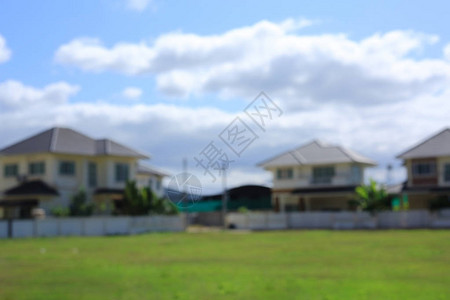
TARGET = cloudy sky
(168,77)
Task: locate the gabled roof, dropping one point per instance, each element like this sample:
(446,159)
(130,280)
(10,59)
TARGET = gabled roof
(68,141)
(146,169)
(317,153)
(435,146)
(34,187)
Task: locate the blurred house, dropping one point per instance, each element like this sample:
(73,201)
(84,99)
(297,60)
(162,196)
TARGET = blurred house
(316,177)
(148,176)
(428,169)
(45,170)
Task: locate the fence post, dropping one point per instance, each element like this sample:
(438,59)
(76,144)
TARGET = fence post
(247,221)
(10,227)
(266,221)
(58,221)
(83,226)
(34,228)
(104,225)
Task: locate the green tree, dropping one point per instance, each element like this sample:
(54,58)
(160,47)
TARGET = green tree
(136,202)
(372,198)
(143,201)
(79,206)
(164,206)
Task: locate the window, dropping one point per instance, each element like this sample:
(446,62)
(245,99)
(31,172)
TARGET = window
(11,170)
(285,173)
(356,174)
(36,168)
(158,184)
(67,168)
(92,174)
(424,169)
(323,174)
(447,172)
(122,172)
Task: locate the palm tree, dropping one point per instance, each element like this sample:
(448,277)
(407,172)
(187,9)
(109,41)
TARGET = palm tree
(372,198)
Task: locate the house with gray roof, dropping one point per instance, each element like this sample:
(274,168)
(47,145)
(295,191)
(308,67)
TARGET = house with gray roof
(149,176)
(316,177)
(428,169)
(46,169)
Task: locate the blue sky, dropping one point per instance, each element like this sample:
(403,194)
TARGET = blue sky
(168,76)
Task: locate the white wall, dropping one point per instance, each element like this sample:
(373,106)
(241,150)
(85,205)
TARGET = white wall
(339,220)
(3,229)
(93,226)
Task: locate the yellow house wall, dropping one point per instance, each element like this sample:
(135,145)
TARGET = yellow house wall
(66,185)
(302,176)
(314,202)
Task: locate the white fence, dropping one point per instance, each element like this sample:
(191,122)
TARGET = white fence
(339,220)
(91,226)
(98,226)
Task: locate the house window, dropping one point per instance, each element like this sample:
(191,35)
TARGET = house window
(36,168)
(285,173)
(447,173)
(92,174)
(424,169)
(323,175)
(150,183)
(356,174)
(11,170)
(158,184)
(67,168)
(122,172)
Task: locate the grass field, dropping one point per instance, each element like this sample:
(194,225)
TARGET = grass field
(226,265)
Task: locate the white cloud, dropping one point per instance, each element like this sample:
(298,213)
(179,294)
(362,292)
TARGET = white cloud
(274,57)
(378,95)
(5,53)
(132,93)
(91,55)
(447,52)
(16,95)
(138,5)
(171,132)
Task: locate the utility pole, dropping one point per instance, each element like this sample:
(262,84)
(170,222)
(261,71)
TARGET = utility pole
(389,175)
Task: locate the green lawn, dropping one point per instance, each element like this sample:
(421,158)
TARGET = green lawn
(225,265)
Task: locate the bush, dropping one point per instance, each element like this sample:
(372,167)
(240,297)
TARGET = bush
(164,206)
(79,206)
(243,210)
(59,211)
(440,203)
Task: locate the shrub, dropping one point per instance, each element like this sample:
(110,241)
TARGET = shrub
(440,203)
(79,206)
(59,211)
(243,210)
